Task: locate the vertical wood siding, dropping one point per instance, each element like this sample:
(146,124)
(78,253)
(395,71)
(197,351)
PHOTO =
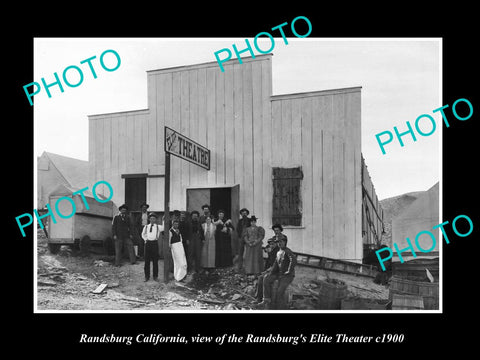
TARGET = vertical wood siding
(249,132)
(318,131)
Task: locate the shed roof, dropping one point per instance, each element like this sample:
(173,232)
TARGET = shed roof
(74,171)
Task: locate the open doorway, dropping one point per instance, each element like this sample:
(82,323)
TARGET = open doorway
(226,198)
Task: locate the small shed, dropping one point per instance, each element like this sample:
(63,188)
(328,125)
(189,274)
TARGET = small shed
(91,223)
(54,170)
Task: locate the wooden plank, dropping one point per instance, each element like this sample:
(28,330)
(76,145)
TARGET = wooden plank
(219,128)
(122,139)
(325,110)
(144,144)
(313,111)
(257,140)
(306,154)
(296,137)
(211,140)
(99,124)
(193,125)
(276,131)
(160,102)
(107,142)
(152,93)
(229,129)
(185,130)
(155,157)
(130,144)
(167,118)
(137,143)
(100,288)
(247,136)
(238,128)
(285,148)
(91,151)
(356,120)
(339,217)
(175,164)
(339,213)
(350,235)
(202,117)
(155,193)
(115,147)
(267,140)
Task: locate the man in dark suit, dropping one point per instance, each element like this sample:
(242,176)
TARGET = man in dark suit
(283,270)
(122,230)
(141,220)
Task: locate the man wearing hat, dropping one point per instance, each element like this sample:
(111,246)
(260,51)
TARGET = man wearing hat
(206,212)
(243,223)
(150,234)
(271,249)
(283,270)
(272,245)
(122,235)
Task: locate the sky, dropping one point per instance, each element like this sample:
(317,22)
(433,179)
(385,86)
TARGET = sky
(400,80)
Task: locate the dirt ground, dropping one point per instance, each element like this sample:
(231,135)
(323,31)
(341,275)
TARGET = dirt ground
(66,281)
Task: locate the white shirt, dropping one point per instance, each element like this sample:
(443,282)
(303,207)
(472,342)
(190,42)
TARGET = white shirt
(154,234)
(144,218)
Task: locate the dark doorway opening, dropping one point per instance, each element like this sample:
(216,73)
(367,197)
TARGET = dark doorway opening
(221,199)
(135,192)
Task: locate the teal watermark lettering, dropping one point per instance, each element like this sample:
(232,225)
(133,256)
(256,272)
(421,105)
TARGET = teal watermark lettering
(37,87)
(228,54)
(410,246)
(423,130)
(50,213)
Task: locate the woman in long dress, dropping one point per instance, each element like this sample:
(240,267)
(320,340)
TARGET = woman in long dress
(208,244)
(253,237)
(223,242)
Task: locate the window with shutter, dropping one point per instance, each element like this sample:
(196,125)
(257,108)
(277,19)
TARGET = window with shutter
(287,206)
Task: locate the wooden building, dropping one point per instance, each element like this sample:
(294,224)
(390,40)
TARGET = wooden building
(294,159)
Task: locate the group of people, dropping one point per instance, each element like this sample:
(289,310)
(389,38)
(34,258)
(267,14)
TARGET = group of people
(204,242)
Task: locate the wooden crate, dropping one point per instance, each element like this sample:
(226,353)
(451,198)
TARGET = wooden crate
(415,269)
(428,291)
(330,294)
(407,302)
(363,304)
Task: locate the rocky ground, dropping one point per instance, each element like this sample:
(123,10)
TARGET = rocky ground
(67,281)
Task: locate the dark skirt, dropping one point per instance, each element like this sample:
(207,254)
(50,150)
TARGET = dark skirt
(223,247)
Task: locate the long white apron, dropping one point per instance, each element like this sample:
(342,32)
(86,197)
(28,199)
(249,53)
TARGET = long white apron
(179,261)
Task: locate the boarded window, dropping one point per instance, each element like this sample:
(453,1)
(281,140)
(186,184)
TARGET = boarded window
(287,205)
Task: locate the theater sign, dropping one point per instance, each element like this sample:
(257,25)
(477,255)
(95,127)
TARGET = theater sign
(187,149)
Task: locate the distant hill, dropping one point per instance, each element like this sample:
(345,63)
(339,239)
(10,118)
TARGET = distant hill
(392,207)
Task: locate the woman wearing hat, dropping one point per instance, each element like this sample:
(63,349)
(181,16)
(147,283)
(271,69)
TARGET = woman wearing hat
(223,242)
(253,237)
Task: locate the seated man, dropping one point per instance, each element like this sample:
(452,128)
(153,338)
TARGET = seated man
(271,249)
(283,270)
